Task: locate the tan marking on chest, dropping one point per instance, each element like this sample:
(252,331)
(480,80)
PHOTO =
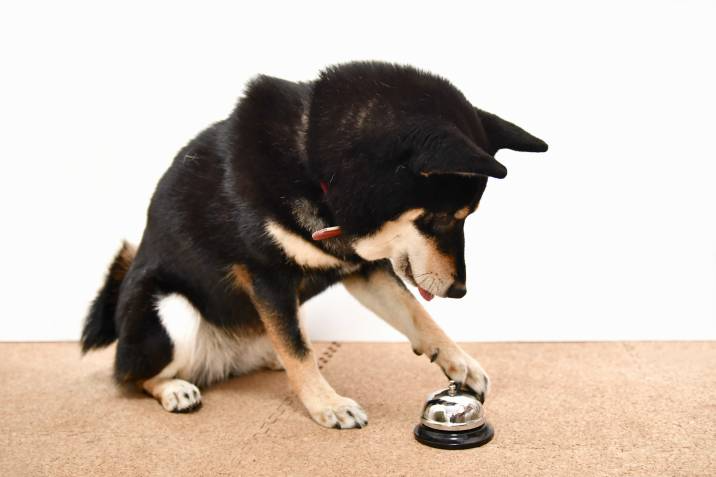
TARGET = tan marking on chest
(299,249)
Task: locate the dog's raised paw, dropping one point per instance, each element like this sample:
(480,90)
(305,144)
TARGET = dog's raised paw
(478,382)
(180,396)
(340,413)
(465,370)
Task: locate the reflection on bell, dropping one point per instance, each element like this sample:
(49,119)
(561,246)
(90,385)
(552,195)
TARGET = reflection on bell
(453,419)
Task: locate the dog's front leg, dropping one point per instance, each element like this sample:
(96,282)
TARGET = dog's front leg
(382,292)
(278,308)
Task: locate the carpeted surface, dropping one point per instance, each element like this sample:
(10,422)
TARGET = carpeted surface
(642,409)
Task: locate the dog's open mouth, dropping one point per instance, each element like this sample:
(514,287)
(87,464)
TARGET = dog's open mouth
(423,292)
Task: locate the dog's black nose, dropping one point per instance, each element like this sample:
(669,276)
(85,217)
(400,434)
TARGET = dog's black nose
(456,290)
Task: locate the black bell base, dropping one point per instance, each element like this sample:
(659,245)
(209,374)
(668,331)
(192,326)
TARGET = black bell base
(454,440)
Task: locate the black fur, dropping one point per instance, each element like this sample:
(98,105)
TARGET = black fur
(99,329)
(385,138)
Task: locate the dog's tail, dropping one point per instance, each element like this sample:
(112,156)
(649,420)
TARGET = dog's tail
(99,328)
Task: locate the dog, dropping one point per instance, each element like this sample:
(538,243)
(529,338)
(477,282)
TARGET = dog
(364,176)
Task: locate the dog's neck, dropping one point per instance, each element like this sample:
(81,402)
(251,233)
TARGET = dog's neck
(326,233)
(309,216)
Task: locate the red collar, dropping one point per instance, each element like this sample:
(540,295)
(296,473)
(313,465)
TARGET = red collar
(327,232)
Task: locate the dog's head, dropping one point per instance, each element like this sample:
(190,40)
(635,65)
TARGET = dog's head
(407,158)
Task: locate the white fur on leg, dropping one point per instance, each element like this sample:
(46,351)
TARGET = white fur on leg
(338,412)
(181,322)
(175,395)
(204,353)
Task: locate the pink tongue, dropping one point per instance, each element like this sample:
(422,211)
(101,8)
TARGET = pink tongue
(425,294)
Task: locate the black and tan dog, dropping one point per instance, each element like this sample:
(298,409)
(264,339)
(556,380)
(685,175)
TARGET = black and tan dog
(363,176)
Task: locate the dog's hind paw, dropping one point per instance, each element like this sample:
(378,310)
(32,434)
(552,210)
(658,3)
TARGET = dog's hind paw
(175,395)
(340,413)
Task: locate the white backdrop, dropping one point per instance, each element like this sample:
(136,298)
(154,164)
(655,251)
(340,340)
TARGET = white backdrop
(610,235)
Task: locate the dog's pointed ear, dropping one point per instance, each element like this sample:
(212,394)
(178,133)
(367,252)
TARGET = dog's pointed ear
(448,151)
(505,135)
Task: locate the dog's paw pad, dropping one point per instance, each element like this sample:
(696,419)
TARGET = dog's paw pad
(341,413)
(180,396)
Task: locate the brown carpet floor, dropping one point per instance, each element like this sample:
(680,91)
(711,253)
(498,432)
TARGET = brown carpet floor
(582,409)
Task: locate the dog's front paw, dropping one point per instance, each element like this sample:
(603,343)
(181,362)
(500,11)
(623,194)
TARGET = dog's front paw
(338,412)
(463,369)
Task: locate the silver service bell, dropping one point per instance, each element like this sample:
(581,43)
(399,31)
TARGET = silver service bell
(453,419)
